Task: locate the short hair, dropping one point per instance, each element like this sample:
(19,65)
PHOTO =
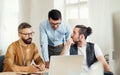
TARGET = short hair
(23,26)
(54,14)
(86,31)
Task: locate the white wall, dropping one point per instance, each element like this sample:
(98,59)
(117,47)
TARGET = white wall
(59,4)
(1,27)
(25,7)
(8,23)
(39,12)
(100,20)
(115,6)
(116,28)
(105,20)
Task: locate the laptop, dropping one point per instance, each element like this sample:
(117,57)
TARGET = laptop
(66,65)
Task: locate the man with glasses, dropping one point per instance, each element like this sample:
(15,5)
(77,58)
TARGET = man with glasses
(21,53)
(54,32)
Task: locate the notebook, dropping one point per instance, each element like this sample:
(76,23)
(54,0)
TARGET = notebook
(66,65)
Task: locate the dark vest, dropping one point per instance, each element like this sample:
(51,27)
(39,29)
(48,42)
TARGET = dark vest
(90,53)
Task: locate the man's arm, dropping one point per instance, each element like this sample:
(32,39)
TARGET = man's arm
(30,68)
(105,64)
(38,60)
(65,50)
(100,57)
(44,45)
(67,39)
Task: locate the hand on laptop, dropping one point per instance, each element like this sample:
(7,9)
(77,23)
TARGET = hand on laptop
(47,64)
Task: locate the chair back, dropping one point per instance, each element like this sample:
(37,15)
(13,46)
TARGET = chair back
(1,62)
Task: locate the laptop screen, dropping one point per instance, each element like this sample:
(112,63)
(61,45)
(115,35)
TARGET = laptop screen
(66,65)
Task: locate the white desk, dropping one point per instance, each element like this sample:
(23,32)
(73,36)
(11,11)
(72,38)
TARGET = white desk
(20,73)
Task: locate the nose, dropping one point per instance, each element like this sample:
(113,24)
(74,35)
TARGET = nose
(55,26)
(71,35)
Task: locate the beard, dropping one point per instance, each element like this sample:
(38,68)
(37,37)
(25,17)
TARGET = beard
(27,41)
(76,40)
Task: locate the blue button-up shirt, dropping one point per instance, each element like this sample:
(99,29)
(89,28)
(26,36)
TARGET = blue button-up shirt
(51,37)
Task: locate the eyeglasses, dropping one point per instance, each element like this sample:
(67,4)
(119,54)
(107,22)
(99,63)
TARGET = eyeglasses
(55,24)
(27,34)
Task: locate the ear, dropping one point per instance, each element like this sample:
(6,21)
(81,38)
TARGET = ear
(82,36)
(19,34)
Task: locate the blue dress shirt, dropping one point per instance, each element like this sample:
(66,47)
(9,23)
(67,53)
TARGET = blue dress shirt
(51,37)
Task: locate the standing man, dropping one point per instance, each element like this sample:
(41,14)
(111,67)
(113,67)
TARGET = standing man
(54,32)
(21,53)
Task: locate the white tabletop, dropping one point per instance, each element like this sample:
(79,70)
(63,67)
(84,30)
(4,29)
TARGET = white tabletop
(20,73)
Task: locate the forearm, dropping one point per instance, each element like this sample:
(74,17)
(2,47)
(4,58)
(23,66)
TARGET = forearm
(66,47)
(29,68)
(44,49)
(105,64)
(20,68)
(106,67)
(39,60)
(63,52)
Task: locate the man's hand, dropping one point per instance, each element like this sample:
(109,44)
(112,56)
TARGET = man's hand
(47,64)
(70,41)
(67,45)
(41,67)
(32,69)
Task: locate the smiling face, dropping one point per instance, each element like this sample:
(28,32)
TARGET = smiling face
(55,23)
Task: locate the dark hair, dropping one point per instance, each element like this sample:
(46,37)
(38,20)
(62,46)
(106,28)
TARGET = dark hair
(54,14)
(84,30)
(23,26)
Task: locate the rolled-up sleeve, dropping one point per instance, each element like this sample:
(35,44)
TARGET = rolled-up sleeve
(44,43)
(98,51)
